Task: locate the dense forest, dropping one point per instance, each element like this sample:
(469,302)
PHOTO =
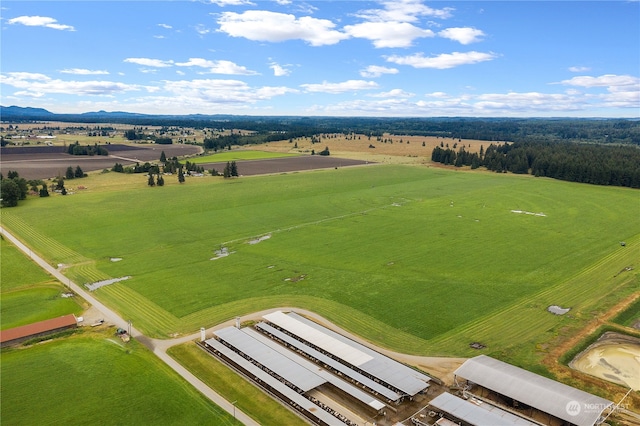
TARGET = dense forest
(596,164)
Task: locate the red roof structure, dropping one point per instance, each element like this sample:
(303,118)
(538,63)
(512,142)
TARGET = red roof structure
(37,328)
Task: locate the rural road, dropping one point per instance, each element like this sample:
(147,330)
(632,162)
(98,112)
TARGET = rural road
(439,367)
(158,347)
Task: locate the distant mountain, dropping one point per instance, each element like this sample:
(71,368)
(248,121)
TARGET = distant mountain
(20,113)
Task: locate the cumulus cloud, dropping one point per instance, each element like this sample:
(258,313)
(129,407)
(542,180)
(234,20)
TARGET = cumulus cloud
(463,35)
(394,93)
(262,25)
(166,26)
(40,21)
(37,84)
(388,34)
(222,91)
(373,71)
(82,71)
(279,70)
(607,80)
(148,62)
(623,90)
(345,86)
(217,67)
(442,61)
(403,11)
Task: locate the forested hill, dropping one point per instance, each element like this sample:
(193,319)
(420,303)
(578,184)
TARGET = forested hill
(600,131)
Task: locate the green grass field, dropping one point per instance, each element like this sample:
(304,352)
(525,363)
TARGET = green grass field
(28,294)
(416,259)
(238,155)
(95,379)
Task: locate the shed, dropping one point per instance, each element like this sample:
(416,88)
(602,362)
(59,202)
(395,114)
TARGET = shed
(16,335)
(549,396)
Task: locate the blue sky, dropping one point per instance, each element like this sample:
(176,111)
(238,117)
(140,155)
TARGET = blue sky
(338,58)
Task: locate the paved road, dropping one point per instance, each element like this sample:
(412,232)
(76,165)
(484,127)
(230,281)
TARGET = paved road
(158,347)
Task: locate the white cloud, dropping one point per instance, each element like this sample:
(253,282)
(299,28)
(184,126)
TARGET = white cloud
(345,86)
(623,90)
(279,70)
(373,71)
(394,93)
(38,84)
(607,80)
(217,67)
(388,34)
(223,3)
(439,95)
(403,11)
(167,26)
(463,35)
(147,62)
(442,61)
(40,21)
(82,71)
(579,69)
(262,25)
(215,91)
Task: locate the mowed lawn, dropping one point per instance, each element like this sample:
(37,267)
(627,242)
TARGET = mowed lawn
(96,379)
(409,257)
(238,155)
(27,293)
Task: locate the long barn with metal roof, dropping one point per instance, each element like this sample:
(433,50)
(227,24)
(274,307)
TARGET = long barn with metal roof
(564,402)
(398,376)
(478,413)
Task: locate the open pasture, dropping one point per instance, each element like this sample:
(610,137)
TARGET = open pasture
(28,294)
(238,155)
(417,259)
(385,149)
(95,379)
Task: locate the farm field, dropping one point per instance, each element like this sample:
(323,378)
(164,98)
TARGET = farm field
(29,294)
(237,155)
(94,378)
(416,259)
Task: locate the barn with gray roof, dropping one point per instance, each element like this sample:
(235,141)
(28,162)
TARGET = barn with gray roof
(567,403)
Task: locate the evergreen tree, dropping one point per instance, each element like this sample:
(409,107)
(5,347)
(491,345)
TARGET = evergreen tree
(227,170)
(69,173)
(78,173)
(160,180)
(234,169)
(60,184)
(180,175)
(9,192)
(44,192)
(151,181)
(163,157)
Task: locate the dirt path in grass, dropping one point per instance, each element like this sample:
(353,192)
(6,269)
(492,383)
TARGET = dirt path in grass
(551,360)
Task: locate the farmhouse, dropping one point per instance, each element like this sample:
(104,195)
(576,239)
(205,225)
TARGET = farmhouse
(489,379)
(316,382)
(16,335)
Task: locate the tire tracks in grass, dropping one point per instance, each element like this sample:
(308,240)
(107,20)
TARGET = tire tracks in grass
(153,319)
(514,325)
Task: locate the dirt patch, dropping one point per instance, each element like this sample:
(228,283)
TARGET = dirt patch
(44,162)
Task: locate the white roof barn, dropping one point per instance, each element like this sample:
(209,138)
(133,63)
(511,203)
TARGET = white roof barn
(555,398)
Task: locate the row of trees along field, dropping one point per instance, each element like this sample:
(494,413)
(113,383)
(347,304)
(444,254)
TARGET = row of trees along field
(586,163)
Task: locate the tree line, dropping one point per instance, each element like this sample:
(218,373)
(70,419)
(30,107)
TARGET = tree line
(595,164)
